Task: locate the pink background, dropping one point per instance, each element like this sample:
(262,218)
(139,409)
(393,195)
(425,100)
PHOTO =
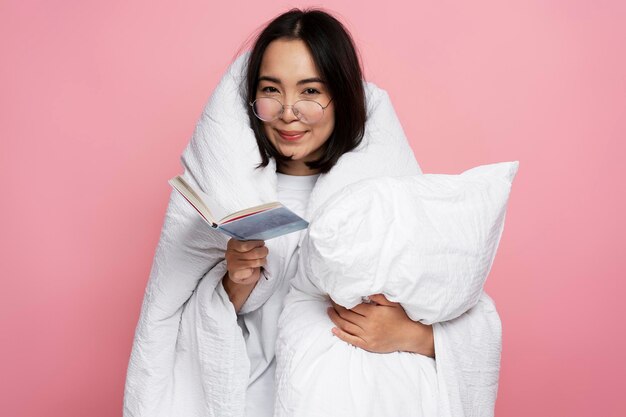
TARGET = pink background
(98,99)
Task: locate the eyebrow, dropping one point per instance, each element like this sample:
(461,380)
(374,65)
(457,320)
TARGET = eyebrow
(305,81)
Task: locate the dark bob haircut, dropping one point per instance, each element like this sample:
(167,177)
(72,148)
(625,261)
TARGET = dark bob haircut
(335,56)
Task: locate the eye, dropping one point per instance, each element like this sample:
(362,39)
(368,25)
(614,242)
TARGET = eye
(269,89)
(311,91)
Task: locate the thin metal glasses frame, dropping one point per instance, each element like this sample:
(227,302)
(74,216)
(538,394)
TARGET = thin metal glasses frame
(251,104)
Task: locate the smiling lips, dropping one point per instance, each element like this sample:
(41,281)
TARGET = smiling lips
(291,135)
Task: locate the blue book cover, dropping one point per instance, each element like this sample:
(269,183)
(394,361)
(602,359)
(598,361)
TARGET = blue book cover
(262,222)
(264,225)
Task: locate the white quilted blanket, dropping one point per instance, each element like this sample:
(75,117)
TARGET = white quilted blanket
(189,357)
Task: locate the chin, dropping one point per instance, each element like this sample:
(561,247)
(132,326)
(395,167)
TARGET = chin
(295,155)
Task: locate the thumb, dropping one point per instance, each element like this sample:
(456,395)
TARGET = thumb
(382,300)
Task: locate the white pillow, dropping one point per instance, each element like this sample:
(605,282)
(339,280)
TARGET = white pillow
(426,241)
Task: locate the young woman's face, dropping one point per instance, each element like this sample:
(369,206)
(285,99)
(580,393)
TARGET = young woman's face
(288,73)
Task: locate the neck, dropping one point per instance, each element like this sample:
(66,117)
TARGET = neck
(299,170)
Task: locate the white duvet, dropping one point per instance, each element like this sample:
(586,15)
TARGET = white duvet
(189,355)
(425,241)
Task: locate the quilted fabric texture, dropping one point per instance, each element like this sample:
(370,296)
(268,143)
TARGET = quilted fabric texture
(189,355)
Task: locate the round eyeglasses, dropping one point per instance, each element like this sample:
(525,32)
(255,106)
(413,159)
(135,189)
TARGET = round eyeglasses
(269,109)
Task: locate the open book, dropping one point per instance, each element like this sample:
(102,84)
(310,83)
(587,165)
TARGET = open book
(255,223)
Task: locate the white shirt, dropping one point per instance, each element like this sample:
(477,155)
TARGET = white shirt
(260,327)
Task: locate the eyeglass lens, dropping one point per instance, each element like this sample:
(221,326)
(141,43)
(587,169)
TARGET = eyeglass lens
(268,109)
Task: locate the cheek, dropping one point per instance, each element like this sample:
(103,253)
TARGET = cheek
(268,133)
(331,126)
(327,129)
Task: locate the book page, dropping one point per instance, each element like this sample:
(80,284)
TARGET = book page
(250,211)
(208,208)
(216,209)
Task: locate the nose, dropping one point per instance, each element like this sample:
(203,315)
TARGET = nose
(288,115)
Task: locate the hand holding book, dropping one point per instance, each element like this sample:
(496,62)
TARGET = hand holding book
(245,261)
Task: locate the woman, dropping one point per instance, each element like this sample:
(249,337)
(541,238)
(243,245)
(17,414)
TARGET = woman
(306,61)
(205,340)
